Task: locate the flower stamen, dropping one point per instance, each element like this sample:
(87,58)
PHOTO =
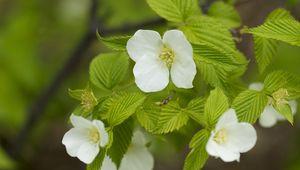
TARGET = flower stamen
(280,96)
(167,55)
(94,135)
(221,136)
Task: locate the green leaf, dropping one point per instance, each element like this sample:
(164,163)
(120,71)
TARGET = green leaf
(216,104)
(5,161)
(264,50)
(249,105)
(195,110)
(174,10)
(107,70)
(117,43)
(279,26)
(122,135)
(216,66)
(97,163)
(281,79)
(198,155)
(148,116)
(76,94)
(172,117)
(226,14)
(286,111)
(121,106)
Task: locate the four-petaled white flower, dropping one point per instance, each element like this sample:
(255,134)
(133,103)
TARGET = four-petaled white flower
(85,139)
(230,138)
(137,156)
(270,116)
(157,58)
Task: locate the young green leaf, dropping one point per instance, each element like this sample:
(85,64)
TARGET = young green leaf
(249,105)
(264,50)
(225,13)
(195,110)
(117,43)
(279,26)
(281,79)
(174,10)
(172,117)
(121,106)
(216,104)
(148,116)
(198,155)
(97,163)
(122,135)
(107,70)
(286,111)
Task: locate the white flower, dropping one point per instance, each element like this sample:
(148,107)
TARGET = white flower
(270,116)
(230,138)
(137,156)
(85,139)
(157,58)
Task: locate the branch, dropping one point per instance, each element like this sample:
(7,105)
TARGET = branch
(39,105)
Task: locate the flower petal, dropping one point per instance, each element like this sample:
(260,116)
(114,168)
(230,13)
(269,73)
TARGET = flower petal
(138,139)
(241,136)
(183,69)
(73,139)
(210,146)
(103,134)
(269,117)
(80,122)
(137,158)
(225,153)
(151,75)
(177,41)
(88,152)
(229,117)
(183,72)
(108,164)
(256,86)
(144,42)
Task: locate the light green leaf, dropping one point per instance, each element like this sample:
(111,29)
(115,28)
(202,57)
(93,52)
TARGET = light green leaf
(172,117)
(148,116)
(174,10)
(280,26)
(117,43)
(195,110)
(264,49)
(249,105)
(5,161)
(216,104)
(121,106)
(216,66)
(76,94)
(198,155)
(226,14)
(286,111)
(122,135)
(107,70)
(97,163)
(281,79)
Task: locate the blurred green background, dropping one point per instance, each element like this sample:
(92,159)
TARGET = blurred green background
(38,37)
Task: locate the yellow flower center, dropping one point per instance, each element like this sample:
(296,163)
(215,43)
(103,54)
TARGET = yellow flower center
(94,135)
(167,55)
(88,100)
(280,97)
(221,136)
